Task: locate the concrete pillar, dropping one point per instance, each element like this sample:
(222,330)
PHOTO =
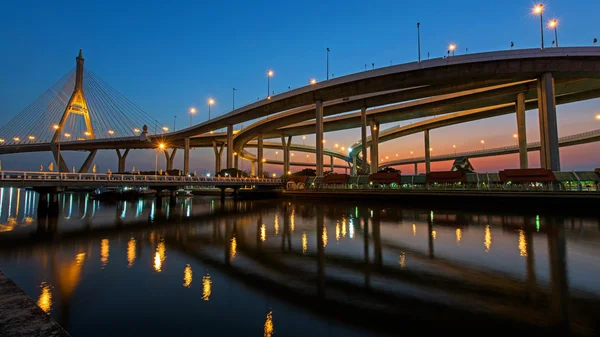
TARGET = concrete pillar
(353,170)
(85,168)
(331,168)
(427,152)
(229,146)
(236,160)
(416,169)
(363,137)
(319,136)
(170,158)
(374,146)
(260,156)
(522,131)
(549,154)
(286,153)
(186,155)
(122,160)
(218,148)
(253,168)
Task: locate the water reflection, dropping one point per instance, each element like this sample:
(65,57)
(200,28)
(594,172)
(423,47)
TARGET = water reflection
(527,279)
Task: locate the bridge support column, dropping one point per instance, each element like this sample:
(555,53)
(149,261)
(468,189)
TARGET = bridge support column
(61,165)
(416,169)
(122,160)
(218,152)
(549,154)
(319,138)
(259,155)
(331,167)
(286,153)
(522,131)
(253,168)
(229,146)
(363,137)
(170,158)
(85,168)
(374,146)
(353,170)
(186,156)
(427,152)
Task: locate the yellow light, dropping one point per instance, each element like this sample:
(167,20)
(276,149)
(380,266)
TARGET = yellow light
(87,133)
(522,244)
(430,149)
(598,117)
(292,220)
(482,142)
(67,135)
(264,160)
(165,128)
(323,141)
(434,234)
(515,136)
(289,172)
(233,248)
(386,157)
(313,81)
(55,126)
(269,327)
(192,110)
(1,140)
(338,231)
(458,235)
(336,146)
(276,152)
(454,146)
(263,232)
(31,137)
(452,47)
(487,239)
(414,230)
(160,256)
(292,154)
(402,260)
(276,223)
(130,252)
(270,73)
(111,132)
(206,287)
(274,175)
(136,130)
(324,236)
(104,252)
(45,299)
(343,148)
(161,146)
(553,23)
(304,243)
(235,153)
(211,101)
(187,276)
(16,139)
(538,9)
(304,137)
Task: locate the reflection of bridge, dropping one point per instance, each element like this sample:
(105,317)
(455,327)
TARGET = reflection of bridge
(89,115)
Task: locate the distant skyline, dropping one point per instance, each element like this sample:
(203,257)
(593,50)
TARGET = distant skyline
(167,58)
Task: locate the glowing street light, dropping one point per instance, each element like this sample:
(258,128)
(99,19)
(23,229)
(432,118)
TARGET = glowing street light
(67,135)
(87,133)
(1,140)
(598,117)
(165,129)
(454,146)
(483,144)
(211,102)
(161,146)
(55,126)
(269,75)
(192,112)
(111,132)
(16,139)
(136,130)
(452,48)
(313,81)
(539,9)
(31,138)
(553,24)
(303,139)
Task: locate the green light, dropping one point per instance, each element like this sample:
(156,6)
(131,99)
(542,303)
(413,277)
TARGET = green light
(537,223)
(356,212)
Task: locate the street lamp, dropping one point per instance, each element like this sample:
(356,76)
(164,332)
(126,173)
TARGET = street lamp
(598,117)
(192,112)
(269,75)
(313,81)
(539,9)
(454,146)
(161,146)
(211,102)
(452,48)
(553,24)
(276,155)
(483,144)
(327,64)
(303,139)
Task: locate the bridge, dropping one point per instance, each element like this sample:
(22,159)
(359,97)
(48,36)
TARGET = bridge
(83,113)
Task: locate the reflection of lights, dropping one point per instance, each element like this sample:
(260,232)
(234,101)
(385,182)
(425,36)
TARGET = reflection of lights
(304,243)
(263,232)
(292,221)
(45,299)
(414,230)
(104,252)
(276,225)
(458,235)
(187,276)
(269,327)
(488,239)
(206,287)
(130,252)
(344,227)
(233,248)
(402,260)
(160,256)
(80,258)
(157,263)
(324,236)
(434,234)
(351,229)
(337,231)
(522,243)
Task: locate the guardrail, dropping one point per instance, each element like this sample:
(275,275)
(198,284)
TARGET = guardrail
(24,176)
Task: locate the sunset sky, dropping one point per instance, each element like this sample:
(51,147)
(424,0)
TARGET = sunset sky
(167,58)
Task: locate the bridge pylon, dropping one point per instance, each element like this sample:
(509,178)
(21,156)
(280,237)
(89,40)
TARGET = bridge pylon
(77,105)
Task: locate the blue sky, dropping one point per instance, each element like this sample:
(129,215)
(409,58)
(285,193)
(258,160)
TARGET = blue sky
(168,56)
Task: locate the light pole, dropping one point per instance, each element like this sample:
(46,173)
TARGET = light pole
(454,146)
(269,75)
(482,144)
(276,155)
(516,137)
(419,39)
(192,112)
(539,9)
(303,139)
(598,117)
(328,63)
(452,48)
(233,100)
(210,103)
(161,146)
(56,127)
(553,24)
(174,120)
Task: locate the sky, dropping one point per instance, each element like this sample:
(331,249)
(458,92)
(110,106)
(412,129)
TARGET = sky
(168,56)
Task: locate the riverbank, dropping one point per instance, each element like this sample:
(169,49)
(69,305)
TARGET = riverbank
(20,316)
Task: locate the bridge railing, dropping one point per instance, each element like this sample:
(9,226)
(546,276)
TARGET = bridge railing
(137,178)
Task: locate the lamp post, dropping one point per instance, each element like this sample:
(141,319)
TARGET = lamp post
(482,144)
(233,99)
(553,24)
(328,63)
(419,39)
(211,102)
(56,127)
(516,137)
(303,139)
(539,9)
(174,121)
(452,48)
(161,146)
(192,112)
(269,75)
(454,146)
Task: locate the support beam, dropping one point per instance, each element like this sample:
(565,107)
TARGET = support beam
(58,158)
(253,169)
(319,136)
(286,144)
(229,146)
(416,169)
(218,148)
(122,160)
(427,152)
(363,137)
(259,155)
(85,167)
(374,146)
(331,168)
(353,170)
(186,156)
(549,154)
(522,131)
(170,158)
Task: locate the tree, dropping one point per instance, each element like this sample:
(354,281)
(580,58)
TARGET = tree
(232,172)
(389,170)
(307,172)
